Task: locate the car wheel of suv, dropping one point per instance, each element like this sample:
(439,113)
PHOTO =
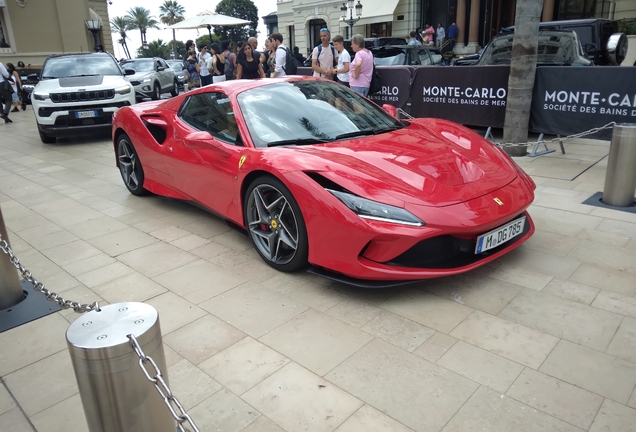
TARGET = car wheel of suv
(156,92)
(45,138)
(132,173)
(175,89)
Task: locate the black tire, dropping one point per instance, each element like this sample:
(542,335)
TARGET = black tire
(156,92)
(45,138)
(175,89)
(132,173)
(280,239)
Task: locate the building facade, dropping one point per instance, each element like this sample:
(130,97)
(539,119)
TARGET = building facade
(478,21)
(31,30)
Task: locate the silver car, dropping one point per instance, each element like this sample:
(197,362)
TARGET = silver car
(152,77)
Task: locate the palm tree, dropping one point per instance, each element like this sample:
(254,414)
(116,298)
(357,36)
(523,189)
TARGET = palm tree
(141,19)
(121,25)
(171,13)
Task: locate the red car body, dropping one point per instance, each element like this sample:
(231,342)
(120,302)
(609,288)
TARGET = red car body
(454,180)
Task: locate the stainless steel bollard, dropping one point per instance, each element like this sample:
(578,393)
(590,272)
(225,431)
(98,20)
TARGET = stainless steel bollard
(620,178)
(10,289)
(116,395)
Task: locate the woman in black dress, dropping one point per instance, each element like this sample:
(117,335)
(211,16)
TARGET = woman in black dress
(248,66)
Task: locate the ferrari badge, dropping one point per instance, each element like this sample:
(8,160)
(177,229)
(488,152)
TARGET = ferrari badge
(242,160)
(498,201)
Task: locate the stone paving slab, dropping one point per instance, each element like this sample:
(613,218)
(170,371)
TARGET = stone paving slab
(540,340)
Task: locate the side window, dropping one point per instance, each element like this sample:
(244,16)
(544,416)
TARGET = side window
(213,113)
(164,64)
(157,64)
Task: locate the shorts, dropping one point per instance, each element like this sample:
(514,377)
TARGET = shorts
(15,98)
(364,91)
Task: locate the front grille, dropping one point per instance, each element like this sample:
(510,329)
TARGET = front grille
(447,252)
(135,83)
(47,111)
(82,96)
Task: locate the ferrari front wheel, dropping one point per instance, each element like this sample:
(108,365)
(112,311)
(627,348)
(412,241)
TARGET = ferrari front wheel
(132,173)
(275,224)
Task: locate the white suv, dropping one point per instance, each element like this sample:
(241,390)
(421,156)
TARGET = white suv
(78,93)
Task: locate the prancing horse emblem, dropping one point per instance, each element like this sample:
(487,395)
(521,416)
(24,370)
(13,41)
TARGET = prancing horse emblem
(498,201)
(242,161)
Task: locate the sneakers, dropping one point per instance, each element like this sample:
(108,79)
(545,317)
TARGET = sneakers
(6,118)
(15,109)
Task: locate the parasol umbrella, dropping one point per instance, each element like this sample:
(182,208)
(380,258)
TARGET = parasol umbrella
(208,19)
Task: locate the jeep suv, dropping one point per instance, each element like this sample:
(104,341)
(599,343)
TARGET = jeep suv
(78,93)
(152,77)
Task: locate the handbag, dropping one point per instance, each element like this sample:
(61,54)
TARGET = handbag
(375,86)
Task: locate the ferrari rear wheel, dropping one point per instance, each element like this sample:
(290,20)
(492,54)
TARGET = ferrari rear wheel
(275,224)
(130,167)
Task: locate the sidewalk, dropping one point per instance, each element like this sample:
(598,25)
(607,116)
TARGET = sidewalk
(543,339)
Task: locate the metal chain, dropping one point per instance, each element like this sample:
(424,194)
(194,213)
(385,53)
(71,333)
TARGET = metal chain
(171,401)
(565,138)
(39,286)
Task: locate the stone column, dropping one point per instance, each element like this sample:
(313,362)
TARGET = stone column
(461,25)
(473,29)
(548,10)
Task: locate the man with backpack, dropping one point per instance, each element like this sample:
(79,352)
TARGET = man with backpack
(230,60)
(281,55)
(324,57)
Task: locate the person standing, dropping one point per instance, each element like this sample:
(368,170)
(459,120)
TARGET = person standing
(441,35)
(452,36)
(192,66)
(204,57)
(16,85)
(341,71)
(298,55)
(5,93)
(280,55)
(429,32)
(360,78)
(414,41)
(253,42)
(216,64)
(247,65)
(230,60)
(324,57)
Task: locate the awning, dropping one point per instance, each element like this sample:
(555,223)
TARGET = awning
(376,11)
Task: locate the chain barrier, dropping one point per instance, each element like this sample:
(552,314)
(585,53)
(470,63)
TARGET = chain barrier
(171,401)
(565,138)
(39,286)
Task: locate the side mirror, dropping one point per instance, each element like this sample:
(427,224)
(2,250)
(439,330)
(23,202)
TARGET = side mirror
(205,141)
(160,68)
(390,110)
(129,72)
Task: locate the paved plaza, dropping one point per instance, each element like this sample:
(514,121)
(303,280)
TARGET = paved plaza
(543,339)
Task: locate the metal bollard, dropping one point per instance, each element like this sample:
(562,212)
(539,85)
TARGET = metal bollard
(10,289)
(115,393)
(620,178)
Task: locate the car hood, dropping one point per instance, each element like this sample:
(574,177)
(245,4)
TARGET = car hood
(431,162)
(72,84)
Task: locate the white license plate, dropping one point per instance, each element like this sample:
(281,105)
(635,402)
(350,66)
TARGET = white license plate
(85,114)
(500,235)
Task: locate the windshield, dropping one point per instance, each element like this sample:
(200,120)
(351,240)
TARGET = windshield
(310,111)
(82,65)
(555,47)
(393,57)
(139,65)
(176,66)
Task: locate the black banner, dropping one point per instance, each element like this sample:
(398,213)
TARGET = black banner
(568,100)
(470,95)
(396,86)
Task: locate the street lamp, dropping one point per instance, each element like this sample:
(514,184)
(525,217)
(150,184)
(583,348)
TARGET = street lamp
(348,10)
(94,26)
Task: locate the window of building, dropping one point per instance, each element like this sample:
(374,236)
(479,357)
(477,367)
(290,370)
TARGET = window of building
(4,37)
(380,29)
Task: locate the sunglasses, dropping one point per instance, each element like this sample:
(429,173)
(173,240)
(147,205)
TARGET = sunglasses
(324,29)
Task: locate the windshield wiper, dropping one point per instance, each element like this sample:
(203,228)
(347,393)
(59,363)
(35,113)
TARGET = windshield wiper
(358,133)
(297,141)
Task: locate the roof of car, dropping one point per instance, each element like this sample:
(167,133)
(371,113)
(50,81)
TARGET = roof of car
(80,54)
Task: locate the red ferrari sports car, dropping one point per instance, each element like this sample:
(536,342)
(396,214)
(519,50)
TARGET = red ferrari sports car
(319,176)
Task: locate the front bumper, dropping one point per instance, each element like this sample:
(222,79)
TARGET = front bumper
(143,89)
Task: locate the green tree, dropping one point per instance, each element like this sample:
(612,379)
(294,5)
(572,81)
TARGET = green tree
(141,19)
(243,9)
(171,13)
(156,48)
(121,25)
(181,50)
(205,39)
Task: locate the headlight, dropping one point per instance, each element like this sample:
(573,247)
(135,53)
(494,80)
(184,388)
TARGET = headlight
(123,90)
(180,77)
(146,80)
(40,96)
(373,210)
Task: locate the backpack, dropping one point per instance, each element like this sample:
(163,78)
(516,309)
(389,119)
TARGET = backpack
(291,64)
(374,85)
(229,70)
